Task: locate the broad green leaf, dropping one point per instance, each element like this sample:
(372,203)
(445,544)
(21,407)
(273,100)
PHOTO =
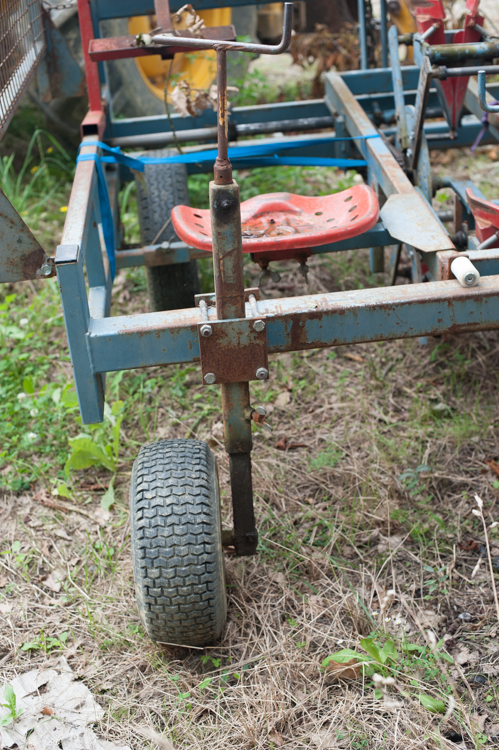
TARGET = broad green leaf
(389,651)
(9,696)
(202,685)
(410,647)
(432,704)
(373,651)
(63,491)
(28,386)
(108,499)
(378,694)
(86,453)
(343,656)
(69,399)
(446,656)
(30,646)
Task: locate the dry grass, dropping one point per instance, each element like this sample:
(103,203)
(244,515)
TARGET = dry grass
(343,520)
(338,529)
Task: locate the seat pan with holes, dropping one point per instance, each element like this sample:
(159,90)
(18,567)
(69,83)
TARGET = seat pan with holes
(486,215)
(286,221)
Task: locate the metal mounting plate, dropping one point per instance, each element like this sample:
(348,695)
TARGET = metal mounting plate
(234,351)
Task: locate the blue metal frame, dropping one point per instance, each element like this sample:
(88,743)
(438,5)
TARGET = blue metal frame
(355,100)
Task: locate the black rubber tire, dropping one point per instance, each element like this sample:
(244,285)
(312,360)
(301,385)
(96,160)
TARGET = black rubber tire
(176,536)
(169,287)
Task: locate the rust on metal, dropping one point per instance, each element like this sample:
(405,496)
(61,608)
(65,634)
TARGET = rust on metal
(21,255)
(222,168)
(227,250)
(234,351)
(121,47)
(162,11)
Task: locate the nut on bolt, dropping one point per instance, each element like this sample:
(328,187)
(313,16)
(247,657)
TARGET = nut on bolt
(209,378)
(262,373)
(206,330)
(259,325)
(46,269)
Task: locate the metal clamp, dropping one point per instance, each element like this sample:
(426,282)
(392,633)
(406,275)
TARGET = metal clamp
(233,351)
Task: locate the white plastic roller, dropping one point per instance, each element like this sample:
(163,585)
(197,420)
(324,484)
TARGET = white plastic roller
(464,271)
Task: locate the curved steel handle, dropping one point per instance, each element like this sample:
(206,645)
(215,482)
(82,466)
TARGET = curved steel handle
(482,95)
(263,49)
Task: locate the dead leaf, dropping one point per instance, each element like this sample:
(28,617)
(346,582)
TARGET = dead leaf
(324,740)
(429,619)
(3,582)
(63,534)
(55,580)
(469,546)
(493,154)
(278,577)
(317,605)
(217,431)
(187,18)
(465,656)
(493,465)
(350,670)
(161,741)
(6,607)
(354,357)
(368,538)
(47,711)
(102,516)
(479,721)
(276,738)
(282,400)
(389,543)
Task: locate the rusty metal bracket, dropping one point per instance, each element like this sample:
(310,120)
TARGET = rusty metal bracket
(233,351)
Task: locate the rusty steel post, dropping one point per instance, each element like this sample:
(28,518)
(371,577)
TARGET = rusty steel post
(222,168)
(229,292)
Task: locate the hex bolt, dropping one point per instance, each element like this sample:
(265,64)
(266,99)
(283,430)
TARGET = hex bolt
(262,373)
(46,269)
(209,378)
(206,330)
(259,325)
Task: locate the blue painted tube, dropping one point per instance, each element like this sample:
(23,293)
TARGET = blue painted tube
(384,34)
(362,35)
(309,322)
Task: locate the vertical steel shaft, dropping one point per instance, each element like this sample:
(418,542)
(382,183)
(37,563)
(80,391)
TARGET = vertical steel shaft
(229,292)
(222,168)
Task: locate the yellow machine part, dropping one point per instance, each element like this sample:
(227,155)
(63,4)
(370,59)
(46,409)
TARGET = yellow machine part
(198,68)
(403,18)
(405,23)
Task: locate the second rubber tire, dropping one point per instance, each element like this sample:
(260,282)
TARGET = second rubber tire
(170,287)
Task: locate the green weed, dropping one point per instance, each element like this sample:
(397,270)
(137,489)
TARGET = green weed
(11,704)
(46,643)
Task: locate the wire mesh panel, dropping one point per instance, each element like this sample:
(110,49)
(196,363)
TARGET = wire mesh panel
(22,43)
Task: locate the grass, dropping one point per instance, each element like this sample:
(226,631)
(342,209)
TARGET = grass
(368,542)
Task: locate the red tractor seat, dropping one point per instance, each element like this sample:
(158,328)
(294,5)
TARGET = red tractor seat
(283,221)
(486,216)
